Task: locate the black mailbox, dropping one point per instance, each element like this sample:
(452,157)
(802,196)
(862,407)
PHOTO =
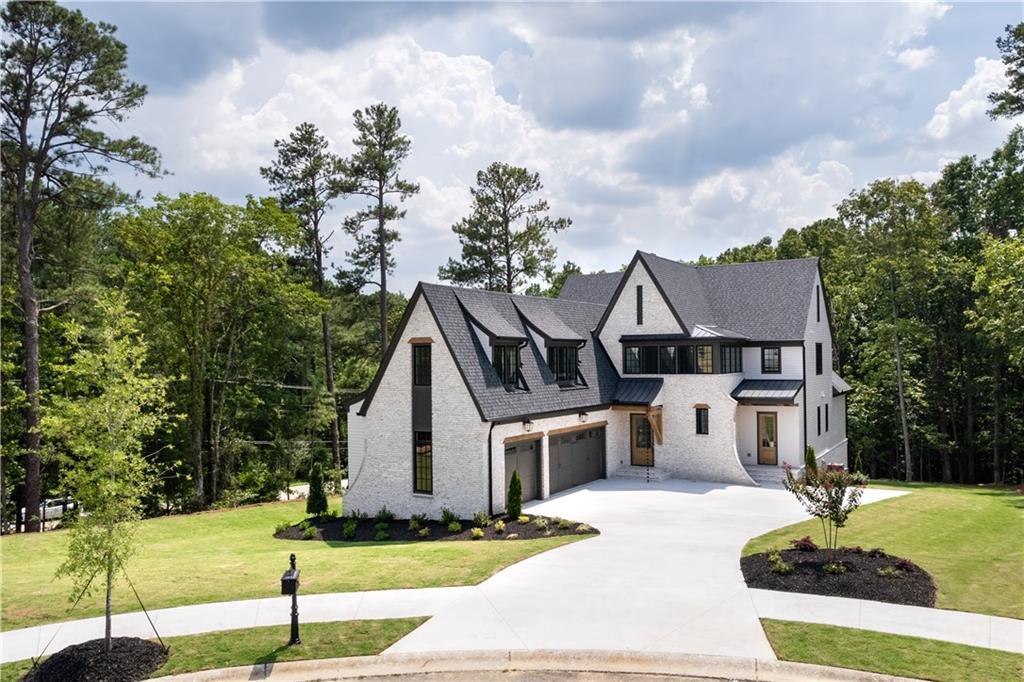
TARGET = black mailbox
(290,579)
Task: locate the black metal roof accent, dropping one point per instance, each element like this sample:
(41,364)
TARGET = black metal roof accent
(771,391)
(637,391)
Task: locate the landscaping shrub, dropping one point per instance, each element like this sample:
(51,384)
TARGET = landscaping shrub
(810,465)
(889,572)
(514,503)
(417,521)
(905,565)
(385,515)
(804,544)
(834,568)
(414,524)
(564,524)
(309,533)
(380,536)
(777,564)
(523,519)
(481,519)
(499,526)
(359,515)
(448,517)
(316,503)
(282,527)
(382,525)
(876,553)
(454,527)
(304,524)
(584,528)
(331,513)
(540,523)
(852,550)
(831,498)
(348,531)
(424,532)
(476,533)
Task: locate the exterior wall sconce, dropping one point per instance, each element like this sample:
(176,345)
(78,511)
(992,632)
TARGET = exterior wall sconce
(583,417)
(527,425)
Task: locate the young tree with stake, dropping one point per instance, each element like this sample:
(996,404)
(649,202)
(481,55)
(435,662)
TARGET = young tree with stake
(102,429)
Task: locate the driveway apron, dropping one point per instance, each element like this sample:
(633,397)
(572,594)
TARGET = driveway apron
(663,575)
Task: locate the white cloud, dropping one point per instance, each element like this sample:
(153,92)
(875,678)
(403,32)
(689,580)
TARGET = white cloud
(916,58)
(969,102)
(913,19)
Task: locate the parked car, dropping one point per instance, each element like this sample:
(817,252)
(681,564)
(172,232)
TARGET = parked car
(53,508)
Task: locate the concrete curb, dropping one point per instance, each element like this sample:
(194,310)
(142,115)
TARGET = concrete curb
(463,662)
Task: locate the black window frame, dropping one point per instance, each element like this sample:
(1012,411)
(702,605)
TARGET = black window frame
(817,300)
(686,359)
(703,422)
(826,417)
(667,365)
(730,359)
(499,364)
(639,304)
(764,366)
(698,361)
(421,355)
(649,359)
(818,411)
(819,355)
(563,361)
(631,361)
(422,463)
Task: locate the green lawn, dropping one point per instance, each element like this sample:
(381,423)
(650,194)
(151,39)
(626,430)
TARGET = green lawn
(970,539)
(252,646)
(889,654)
(223,555)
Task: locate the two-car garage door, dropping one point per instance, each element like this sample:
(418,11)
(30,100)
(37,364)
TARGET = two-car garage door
(573,459)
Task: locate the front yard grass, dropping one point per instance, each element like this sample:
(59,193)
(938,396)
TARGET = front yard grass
(969,538)
(232,554)
(252,646)
(889,654)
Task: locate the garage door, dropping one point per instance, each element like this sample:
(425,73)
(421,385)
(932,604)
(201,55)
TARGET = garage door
(524,458)
(576,458)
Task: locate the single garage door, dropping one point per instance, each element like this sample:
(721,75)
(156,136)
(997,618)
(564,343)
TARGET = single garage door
(576,458)
(524,457)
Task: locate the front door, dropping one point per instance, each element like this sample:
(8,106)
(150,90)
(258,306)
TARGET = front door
(641,441)
(767,438)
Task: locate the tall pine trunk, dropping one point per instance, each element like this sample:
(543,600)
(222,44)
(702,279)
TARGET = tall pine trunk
(30,492)
(997,465)
(382,256)
(196,417)
(325,329)
(907,462)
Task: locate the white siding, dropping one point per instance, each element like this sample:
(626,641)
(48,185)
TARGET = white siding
(790,436)
(818,387)
(792,363)
(459,436)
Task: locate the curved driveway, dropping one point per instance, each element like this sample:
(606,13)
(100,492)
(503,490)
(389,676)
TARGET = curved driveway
(663,575)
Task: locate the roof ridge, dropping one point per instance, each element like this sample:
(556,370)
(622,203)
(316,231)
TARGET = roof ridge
(505,293)
(756,262)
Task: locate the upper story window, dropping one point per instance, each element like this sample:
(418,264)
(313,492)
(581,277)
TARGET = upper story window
(731,359)
(818,359)
(817,300)
(563,361)
(421,365)
(631,360)
(506,362)
(666,359)
(639,304)
(686,360)
(705,357)
(771,360)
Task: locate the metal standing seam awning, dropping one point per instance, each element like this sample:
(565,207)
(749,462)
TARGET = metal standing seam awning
(839,387)
(767,391)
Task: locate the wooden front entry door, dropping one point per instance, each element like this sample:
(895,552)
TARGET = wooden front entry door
(641,441)
(767,438)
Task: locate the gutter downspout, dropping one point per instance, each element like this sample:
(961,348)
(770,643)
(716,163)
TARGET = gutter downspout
(803,374)
(490,469)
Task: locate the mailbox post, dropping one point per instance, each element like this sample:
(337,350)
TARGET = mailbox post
(290,585)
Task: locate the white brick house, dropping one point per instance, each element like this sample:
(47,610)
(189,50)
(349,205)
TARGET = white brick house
(717,373)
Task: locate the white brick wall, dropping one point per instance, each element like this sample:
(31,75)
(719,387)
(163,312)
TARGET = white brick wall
(384,474)
(818,388)
(658,318)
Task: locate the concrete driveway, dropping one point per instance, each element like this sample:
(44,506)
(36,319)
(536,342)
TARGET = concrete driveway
(663,575)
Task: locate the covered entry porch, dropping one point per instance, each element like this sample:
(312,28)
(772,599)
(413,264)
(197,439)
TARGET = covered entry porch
(769,423)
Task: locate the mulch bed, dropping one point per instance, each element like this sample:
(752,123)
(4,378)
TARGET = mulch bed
(911,584)
(130,659)
(330,530)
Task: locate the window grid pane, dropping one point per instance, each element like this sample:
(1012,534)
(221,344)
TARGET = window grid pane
(506,362)
(632,360)
(771,360)
(731,359)
(686,363)
(423,462)
(702,420)
(667,359)
(704,360)
(421,365)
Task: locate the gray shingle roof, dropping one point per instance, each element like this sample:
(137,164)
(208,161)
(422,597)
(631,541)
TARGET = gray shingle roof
(542,317)
(596,288)
(839,386)
(767,390)
(637,391)
(495,321)
(544,395)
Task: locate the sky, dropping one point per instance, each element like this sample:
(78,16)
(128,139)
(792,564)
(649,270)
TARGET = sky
(679,129)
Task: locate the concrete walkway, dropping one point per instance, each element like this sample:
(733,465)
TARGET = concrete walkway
(960,627)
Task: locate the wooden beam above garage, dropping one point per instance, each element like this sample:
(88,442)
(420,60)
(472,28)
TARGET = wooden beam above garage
(522,437)
(578,427)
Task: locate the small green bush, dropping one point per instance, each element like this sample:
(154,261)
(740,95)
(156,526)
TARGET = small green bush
(476,533)
(384,515)
(424,532)
(414,524)
(304,524)
(523,519)
(380,536)
(540,523)
(309,533)
(564,524)
(584,528)
(359,515)
(331,513)
(282,527)
(481,519)
(454,527)
(316,503)
(348,531)
(382,526)
(889,572)
(499,526)
(782,567)
(834,568)
(417,521)
(448,517)
(514,501)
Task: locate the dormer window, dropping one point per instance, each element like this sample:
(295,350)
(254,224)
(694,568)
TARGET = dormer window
(506,362)
(564,363)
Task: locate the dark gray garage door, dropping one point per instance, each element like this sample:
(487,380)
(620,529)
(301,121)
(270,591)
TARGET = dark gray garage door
(524,458)
(576,458)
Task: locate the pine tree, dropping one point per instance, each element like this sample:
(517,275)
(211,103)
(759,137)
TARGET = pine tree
(316,503)
(514,506)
